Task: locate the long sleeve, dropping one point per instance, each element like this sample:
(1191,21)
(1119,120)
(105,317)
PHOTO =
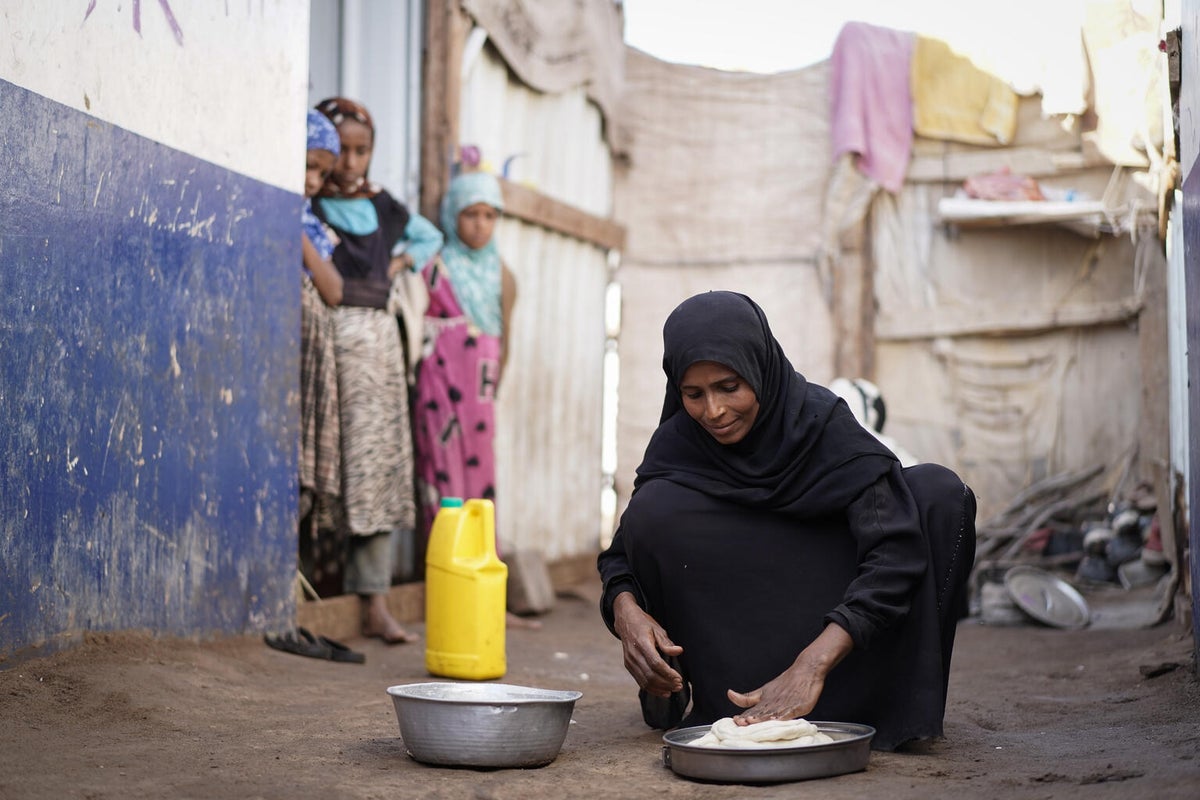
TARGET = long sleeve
(617,576)
(424,240)
(892,559)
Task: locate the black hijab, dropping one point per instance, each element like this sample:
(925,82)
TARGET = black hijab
(806,454)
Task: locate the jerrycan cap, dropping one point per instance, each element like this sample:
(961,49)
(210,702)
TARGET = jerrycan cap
(452,502)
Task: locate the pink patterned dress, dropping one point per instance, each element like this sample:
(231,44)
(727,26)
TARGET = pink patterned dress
(455,405)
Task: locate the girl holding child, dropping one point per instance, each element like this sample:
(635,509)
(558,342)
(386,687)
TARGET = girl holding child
(320,459)
(376,437)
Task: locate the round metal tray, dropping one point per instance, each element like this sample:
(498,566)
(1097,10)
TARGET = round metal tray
(1046,598)
(849,752)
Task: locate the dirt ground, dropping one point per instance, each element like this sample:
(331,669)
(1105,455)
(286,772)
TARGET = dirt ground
(1033,713)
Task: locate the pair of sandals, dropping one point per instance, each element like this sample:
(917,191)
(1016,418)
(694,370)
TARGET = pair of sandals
(302,642)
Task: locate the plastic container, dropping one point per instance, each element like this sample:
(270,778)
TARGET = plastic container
(465,593)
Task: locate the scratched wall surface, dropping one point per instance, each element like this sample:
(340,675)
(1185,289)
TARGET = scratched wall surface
(148,407)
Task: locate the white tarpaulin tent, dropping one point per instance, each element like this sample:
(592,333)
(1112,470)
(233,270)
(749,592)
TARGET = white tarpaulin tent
(1009,352)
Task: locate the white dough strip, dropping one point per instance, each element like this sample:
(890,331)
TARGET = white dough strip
(772,733)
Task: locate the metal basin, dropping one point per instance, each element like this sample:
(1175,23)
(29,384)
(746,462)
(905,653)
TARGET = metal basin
(849,752)
(482,724)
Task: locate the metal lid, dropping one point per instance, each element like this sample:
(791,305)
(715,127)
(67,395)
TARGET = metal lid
(1047,598)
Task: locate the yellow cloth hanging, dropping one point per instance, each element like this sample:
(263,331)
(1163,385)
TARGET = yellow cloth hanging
(956,100)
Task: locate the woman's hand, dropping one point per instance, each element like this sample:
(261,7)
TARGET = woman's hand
(795,692)
(401,263)
(645,642)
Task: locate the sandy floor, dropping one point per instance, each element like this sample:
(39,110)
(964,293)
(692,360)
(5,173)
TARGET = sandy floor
(1033,713)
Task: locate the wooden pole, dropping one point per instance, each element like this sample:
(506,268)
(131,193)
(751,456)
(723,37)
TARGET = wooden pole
(446,30)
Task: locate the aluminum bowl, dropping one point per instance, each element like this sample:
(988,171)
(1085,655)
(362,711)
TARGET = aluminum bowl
(482,724)
(849,751)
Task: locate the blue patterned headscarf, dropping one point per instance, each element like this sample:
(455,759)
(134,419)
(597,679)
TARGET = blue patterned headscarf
(474,274)
(322,135)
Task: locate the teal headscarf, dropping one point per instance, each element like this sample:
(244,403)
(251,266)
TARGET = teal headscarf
(474,274)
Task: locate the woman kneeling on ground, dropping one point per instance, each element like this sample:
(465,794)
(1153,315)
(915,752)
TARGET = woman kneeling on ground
(775,561)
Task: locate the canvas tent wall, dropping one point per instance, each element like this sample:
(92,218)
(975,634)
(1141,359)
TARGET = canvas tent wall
(722,190)
(726,187)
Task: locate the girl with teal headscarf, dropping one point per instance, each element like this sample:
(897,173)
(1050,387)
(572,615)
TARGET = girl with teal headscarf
(471,295)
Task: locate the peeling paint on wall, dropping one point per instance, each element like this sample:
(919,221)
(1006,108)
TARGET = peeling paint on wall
(149,331)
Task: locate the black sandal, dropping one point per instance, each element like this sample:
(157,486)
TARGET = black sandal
(339,652)
(300,642)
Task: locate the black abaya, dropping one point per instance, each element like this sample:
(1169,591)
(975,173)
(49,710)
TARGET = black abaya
(744,552)
(743,591)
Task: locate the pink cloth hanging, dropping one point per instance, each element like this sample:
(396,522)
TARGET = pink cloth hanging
(871,100)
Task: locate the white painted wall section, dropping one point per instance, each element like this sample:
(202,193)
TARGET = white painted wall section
(222,81)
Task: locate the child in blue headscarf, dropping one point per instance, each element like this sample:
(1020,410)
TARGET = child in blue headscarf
(317,240)
(471,295)
(320,440)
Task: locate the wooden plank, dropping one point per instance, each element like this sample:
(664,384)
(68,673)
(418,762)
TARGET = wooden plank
(571,570)
(536,208)
(1036,162)
(931,324)
(966,212)
(340,617)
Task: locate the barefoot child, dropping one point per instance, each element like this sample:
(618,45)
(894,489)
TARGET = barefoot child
(377,450)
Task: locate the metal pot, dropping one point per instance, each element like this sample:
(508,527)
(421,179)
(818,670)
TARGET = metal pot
(482,724)
(849,752)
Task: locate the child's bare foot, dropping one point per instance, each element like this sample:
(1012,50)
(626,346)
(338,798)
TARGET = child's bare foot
(378,622)
(516,622)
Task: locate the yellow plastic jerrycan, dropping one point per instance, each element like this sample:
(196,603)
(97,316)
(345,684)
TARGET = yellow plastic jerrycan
(465,593)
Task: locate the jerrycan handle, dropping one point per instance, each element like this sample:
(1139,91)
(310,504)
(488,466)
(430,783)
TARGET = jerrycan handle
(478,542)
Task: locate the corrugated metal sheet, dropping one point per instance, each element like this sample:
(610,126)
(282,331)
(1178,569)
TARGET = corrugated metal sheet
(554,141)
(548,441)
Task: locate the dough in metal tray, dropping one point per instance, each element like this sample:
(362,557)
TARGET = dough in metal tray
(773,733)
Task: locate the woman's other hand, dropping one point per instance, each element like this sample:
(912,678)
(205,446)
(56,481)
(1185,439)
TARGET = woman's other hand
(401,263)
(645,642)
(795,692)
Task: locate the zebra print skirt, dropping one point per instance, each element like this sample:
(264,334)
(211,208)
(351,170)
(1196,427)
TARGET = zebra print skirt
(320,448)
(377,448)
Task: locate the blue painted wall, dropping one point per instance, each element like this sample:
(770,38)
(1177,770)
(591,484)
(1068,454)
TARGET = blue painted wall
(149,329)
